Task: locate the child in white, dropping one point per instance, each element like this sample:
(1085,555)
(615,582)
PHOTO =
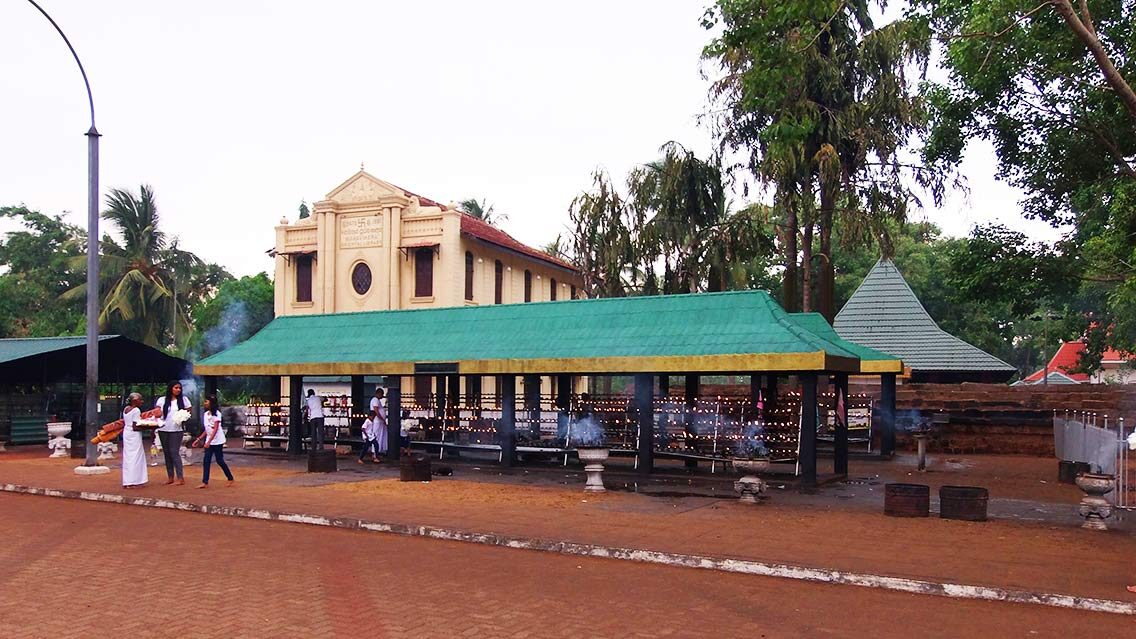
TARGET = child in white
(369,438)
(214,441)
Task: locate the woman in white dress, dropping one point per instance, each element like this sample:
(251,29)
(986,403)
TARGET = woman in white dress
(134,472)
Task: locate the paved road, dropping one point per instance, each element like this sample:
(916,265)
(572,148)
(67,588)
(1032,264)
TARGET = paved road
(134,572)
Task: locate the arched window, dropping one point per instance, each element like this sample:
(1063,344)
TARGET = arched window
(498,280)
(528,285)
(424,272)
(469,276)
(552,284)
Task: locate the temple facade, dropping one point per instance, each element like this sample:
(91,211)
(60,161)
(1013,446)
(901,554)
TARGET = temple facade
(373,246)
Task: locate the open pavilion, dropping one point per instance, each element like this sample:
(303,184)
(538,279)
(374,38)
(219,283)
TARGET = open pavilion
(647,338)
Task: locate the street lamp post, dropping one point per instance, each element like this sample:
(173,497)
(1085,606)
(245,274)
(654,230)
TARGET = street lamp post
(91,390)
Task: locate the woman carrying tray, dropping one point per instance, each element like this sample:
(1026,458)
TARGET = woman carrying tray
(213,439)
(134,472)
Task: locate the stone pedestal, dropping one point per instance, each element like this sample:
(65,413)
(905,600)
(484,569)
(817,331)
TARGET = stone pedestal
(750,487)
(1094,507)
(593,459)
(59,444)
(107,450)
(91,470)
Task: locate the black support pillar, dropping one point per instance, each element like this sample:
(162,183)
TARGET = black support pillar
(295,414)
(691,399)
(394,416)
(887,413)
(453,398)
(564,391)
(440,397)
(664,386)
(808,454)
(210,389)
(532,405)
(506,426)
(645,407)
(359,403)
(840,436)
(473,391)
(754,392)
(770,393)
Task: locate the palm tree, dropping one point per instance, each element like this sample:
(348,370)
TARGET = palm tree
(482,210)
(679,201)
(555,248)
(137,276)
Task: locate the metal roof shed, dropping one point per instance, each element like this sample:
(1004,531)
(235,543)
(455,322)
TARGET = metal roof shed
(736,332)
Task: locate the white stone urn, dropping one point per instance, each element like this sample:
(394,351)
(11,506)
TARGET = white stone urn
(593,458)
(107,450)
(59,442)
(750,486)
(1094,507)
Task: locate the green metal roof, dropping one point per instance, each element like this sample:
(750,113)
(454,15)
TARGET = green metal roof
(742,331)
(885,314)
(871,360)
(15,348)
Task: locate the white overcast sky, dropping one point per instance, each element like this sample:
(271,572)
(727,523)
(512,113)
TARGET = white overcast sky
(236,110)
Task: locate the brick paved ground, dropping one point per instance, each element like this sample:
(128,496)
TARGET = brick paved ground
(826,530)
(133,572)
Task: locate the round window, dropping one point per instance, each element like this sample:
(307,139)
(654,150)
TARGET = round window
(361,278)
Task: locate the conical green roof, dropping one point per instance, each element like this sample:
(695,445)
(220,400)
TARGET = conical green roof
(884,314)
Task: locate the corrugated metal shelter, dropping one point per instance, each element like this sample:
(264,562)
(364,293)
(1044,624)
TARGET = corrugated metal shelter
(41,376)
(735,332)
(871,360)
(744,332)
(884,314)
(50,360)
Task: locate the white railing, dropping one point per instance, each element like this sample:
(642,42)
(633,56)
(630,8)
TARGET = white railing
(1102,443)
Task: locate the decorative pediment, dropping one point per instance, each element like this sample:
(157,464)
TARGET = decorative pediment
(363,187)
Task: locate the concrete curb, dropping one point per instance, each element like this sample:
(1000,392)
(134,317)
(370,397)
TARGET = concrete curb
(787,571)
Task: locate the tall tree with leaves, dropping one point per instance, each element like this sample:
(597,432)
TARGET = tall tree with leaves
(1049,85)
(819,98)
(680,199)
(36,265)
(143,276)
(601,240)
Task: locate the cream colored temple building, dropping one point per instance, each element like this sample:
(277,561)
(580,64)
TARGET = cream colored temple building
(372,246)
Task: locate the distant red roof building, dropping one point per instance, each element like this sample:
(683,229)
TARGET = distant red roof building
(1065,360)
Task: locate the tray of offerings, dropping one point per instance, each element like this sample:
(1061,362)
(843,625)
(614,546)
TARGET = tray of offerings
(147,424)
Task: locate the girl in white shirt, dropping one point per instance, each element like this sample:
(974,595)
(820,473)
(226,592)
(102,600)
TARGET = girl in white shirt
(214,441)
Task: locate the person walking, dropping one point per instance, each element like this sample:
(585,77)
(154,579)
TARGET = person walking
(213,440)
(134,472)
(171,432)
(315,419)
(370,441)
